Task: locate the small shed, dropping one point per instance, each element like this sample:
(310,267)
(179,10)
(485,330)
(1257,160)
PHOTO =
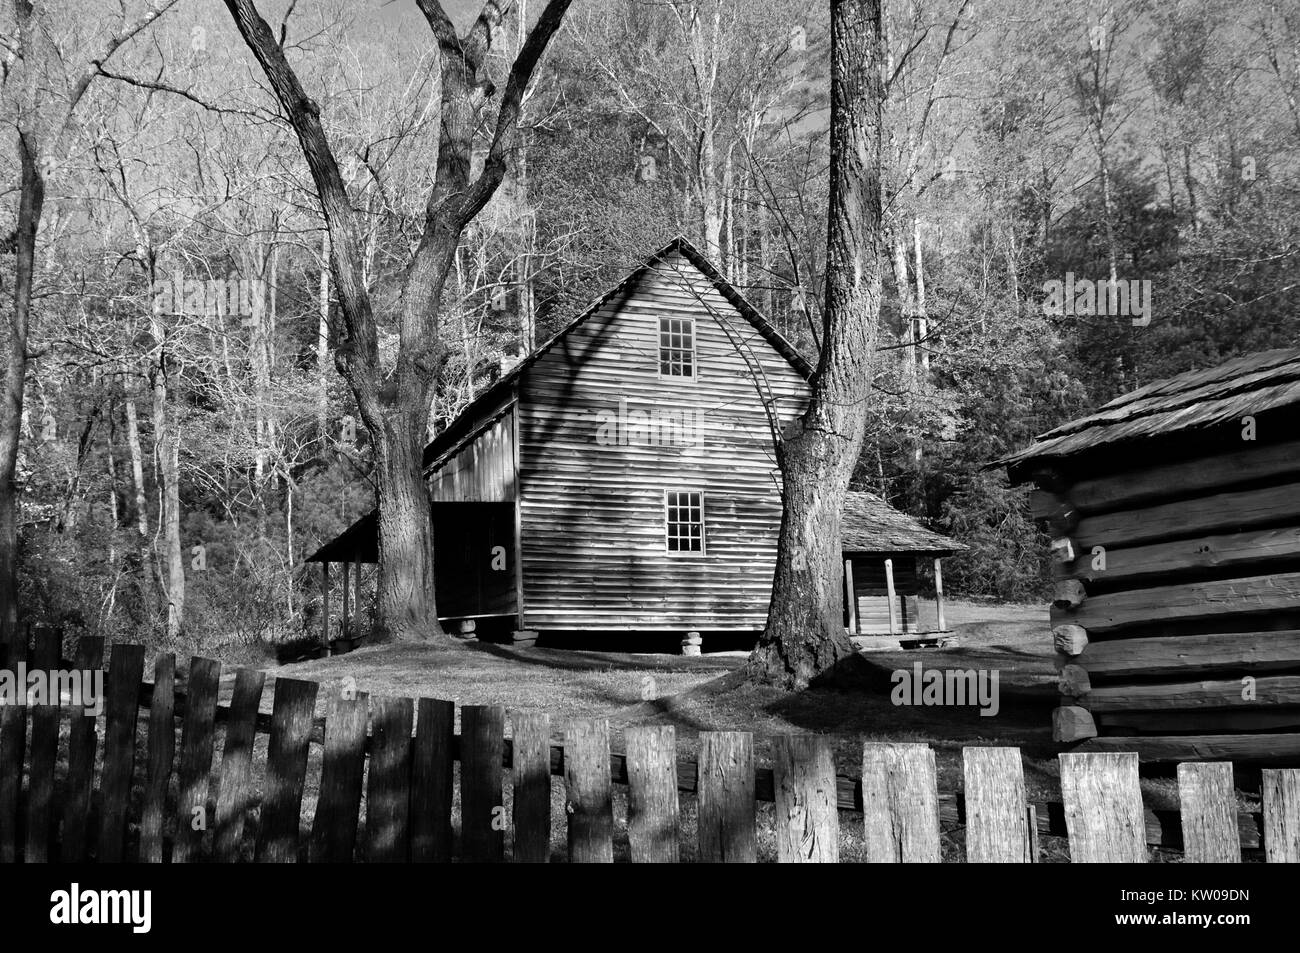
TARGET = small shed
(1174,513)
(883,549)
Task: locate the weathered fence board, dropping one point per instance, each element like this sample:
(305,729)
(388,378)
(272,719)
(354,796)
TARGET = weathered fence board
(198,736)
(728,822)
(900,804)
(1208,811)
(807,820)
(1281,796)
(998,828)
(388,796)
(82,742)
(158,760)
(589,800)
(286,770)
(334,829)
(46,653)
(531,780)
(1103,808)
(652,807)
(235,782)
(13,749)
(482,749)
(432,781)
(122,688)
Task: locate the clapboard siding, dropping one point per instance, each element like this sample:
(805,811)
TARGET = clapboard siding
(592,506)
(482,470)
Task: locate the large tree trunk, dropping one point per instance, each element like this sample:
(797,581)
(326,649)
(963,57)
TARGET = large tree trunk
(805,636)
(30,202)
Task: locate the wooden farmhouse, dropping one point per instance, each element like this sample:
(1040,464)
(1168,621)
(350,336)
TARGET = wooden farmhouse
(1175,517)
(623,477)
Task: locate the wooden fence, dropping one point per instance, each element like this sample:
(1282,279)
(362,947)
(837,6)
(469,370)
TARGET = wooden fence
(387,785)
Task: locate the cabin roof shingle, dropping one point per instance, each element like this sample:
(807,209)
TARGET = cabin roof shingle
(489,401)
(870,525)
(1193,400)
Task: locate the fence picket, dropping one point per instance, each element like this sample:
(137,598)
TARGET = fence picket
(807,820)
(728,819)
(44,752)
(1103,808)
(900,804)
(125,675)
(589,802)
(82,741)
(286,770)
(235,782)
(162,751)
(482,748)
(13,748)
(1281,795)
(1208,813)
(997,817)
(388,797)
(338,807)
(431,781)
(652,807)
(198,734)
(531,778)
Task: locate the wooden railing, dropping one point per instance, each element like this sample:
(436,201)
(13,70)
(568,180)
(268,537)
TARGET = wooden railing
(387,786)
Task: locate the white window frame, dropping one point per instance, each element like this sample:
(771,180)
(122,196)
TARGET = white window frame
(695,357)
(668,524)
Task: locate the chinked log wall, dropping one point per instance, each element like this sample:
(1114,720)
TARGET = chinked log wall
(1176,615)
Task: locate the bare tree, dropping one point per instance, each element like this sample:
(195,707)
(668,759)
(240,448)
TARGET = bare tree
(42,91)
(396,409)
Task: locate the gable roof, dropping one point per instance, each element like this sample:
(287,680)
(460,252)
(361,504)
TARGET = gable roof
(500,391)
(1193,400)
(870,525)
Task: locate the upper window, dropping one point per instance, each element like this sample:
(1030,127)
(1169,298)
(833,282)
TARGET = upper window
(684,521)
(676,347)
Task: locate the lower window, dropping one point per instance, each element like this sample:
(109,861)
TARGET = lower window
(684,521)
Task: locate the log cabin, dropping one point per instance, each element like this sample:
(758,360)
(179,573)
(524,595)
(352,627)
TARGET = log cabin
(1174,513)
(623,479)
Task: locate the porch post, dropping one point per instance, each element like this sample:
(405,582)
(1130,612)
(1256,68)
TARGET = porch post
(938,593)
(325,602)
(848,594)
(345,619)
(893,598)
